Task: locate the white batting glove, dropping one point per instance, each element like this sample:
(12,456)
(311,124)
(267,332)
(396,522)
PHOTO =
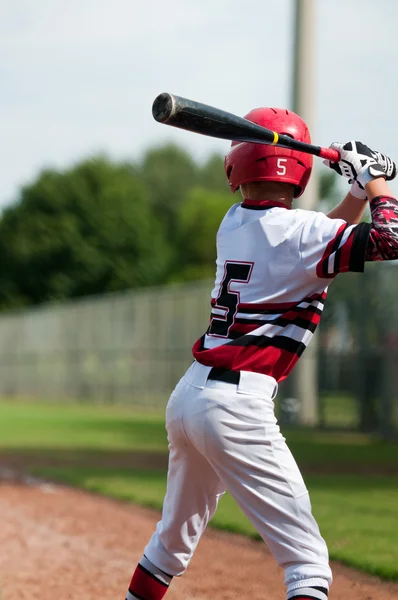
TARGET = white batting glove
(357,190)
(357,162)
(389,168)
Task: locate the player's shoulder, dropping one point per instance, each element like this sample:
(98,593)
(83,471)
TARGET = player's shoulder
(232,218)
(314,225)
(302,215)
(313,218)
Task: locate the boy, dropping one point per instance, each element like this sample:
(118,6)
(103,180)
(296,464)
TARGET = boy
(274,264)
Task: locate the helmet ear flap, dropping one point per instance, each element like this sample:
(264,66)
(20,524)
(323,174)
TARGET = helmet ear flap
(227,167)
(304,182)
(228,170)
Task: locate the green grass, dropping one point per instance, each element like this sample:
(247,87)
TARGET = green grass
(109,428)
(27,425)
(339,410)
(342,450)
(358,515)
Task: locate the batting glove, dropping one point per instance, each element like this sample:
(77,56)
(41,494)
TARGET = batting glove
(357,162)
(357,190)
(389,168)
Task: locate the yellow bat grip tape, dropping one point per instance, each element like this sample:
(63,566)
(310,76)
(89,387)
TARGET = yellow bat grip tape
(276,138)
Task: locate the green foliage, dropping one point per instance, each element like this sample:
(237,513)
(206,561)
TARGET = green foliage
(104,226)
(85,231)
(169,173)
(212,175)
(198,221)
(328,189)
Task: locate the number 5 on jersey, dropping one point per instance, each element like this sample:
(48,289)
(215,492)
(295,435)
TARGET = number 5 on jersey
(225,307)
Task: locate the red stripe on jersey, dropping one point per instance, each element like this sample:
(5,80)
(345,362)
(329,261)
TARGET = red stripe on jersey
(243,328)
(274,362)
(322,266)
(307,314)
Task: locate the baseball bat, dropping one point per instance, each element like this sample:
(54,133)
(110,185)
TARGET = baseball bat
(207,120)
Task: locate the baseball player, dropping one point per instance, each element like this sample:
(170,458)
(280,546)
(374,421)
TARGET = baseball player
(274,265)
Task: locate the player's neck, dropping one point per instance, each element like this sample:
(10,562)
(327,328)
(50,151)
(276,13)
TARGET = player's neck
(271,191)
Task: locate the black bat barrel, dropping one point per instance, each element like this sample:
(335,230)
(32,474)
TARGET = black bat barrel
(207,120)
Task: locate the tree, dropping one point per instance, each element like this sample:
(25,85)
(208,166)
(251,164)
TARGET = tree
(212,175)
(169,173)
(87,230)
(191,201)
(198,222)
(328,188)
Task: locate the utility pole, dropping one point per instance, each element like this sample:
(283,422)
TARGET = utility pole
(305,384)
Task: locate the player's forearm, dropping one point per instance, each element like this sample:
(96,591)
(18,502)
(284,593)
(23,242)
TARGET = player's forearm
(350,209)
(383,235)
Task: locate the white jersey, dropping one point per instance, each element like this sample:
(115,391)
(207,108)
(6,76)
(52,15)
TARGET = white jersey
(273,269)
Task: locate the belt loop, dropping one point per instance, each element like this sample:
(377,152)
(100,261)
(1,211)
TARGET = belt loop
(197,375)
(257,384)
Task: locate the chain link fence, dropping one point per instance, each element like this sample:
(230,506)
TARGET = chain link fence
(124,347)
(358,352)
(132,347)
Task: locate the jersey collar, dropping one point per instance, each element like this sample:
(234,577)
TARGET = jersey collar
(262,204)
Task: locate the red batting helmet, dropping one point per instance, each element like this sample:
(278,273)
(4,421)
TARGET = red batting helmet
(247,162)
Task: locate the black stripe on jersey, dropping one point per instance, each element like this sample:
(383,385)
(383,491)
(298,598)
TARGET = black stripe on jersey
(334,248)
(281,322)
(278,341)
(235,335)
(359,246)
(274,311)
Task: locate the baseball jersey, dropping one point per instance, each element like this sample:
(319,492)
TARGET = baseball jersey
(274,265)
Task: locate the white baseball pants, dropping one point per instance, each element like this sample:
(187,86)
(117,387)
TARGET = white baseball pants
(222,437)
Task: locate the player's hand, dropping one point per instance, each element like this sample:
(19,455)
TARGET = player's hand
(357,162)
(389,168)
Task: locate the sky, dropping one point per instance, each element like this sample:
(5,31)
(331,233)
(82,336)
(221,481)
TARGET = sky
(79,77)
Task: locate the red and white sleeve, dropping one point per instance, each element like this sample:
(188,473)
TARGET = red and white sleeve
(332,246)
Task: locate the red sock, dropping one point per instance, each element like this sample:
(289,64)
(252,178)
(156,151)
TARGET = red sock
(145,585)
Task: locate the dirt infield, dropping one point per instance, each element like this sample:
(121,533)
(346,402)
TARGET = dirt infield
(61,543)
